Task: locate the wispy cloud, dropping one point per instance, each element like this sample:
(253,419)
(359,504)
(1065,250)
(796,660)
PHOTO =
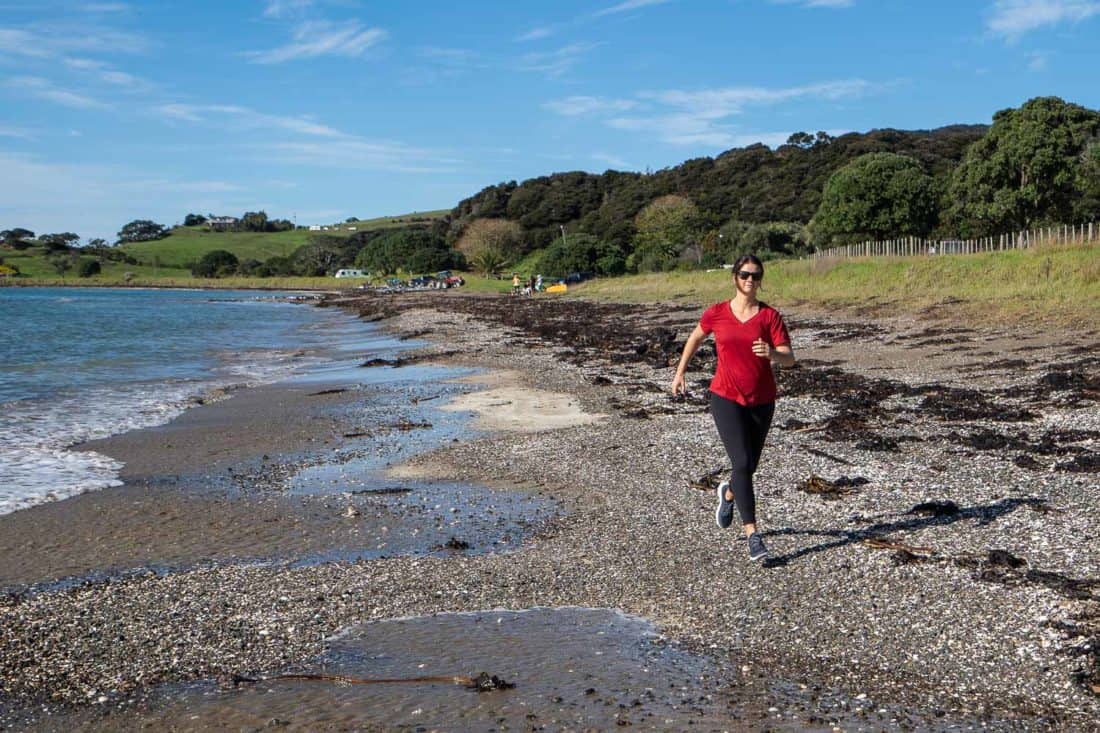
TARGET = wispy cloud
(817,3)
(1037,61)
(577,106)
(15,132)
(703,116)
(237,117)
(557,62)
(627,6)
(105,7)
(322,38)
(109,75)
(45,89)
(284,8)
(18,42)
(173,186)
(544,31)
(52,40)
(1011,19)
(318,144)
(611,160)
(362,154)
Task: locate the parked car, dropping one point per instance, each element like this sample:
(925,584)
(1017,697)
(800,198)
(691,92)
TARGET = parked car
(424,281)
(576,277)
(449,279)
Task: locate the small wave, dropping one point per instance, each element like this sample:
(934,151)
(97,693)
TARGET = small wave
(36,435)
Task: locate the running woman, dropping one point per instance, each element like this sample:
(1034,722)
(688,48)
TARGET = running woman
(748,335)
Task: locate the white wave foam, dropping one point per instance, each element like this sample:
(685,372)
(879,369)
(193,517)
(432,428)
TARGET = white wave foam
(36,464)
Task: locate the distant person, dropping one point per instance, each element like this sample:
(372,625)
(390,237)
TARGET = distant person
(748,335)
(515,283)
(538,284)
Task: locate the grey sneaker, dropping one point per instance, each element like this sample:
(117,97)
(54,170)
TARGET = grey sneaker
(757,550)
(723,515)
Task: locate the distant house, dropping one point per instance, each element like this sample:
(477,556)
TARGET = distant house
(315,227)
(221,223)
(352,273)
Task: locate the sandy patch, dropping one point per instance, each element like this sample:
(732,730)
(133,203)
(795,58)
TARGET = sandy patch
(509,406)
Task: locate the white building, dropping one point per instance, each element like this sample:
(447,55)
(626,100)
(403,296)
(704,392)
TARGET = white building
(352,273)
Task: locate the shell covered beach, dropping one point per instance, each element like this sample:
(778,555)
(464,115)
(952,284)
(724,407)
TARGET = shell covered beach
(929,493)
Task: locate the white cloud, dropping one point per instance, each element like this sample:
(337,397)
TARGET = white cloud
(1037,61)
(612,161)
(627,6)
(817,3)
(1011,19)
(40,88)
(52,40)
(580,105)
(536,33)
(237,117)
(556,63)
(105,7)
(322,38)
(15,132)
(323,145)
(283,8)
(716,103)
(14,41)
(360,154)
(702,117)
(108,75)
(171,186)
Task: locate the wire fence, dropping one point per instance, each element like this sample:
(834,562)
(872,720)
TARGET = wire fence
(914,246)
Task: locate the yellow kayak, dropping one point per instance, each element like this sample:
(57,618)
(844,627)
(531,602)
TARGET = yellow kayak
(559,288)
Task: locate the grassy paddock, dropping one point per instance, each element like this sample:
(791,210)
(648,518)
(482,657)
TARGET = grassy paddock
(1057,284)
(188,244)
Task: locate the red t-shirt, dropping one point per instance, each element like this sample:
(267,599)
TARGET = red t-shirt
(742,376)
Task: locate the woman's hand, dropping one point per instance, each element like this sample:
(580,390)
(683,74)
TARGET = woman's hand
(678,385)
(762,348)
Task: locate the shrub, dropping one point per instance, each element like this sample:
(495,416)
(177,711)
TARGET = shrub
(582,253)
(216,263)
(88,267)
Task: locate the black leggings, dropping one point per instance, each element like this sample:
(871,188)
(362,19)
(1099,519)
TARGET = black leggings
(742,430)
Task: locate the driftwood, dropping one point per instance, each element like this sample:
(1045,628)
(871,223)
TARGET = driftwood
(483,682)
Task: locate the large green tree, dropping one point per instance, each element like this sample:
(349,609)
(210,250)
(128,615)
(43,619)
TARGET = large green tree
(1026,171)
(142,230)
(666,228)
(876,196)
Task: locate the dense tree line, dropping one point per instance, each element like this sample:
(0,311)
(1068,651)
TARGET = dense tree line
(1036,165)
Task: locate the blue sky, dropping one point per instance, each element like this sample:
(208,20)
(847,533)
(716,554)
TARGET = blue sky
(322,109)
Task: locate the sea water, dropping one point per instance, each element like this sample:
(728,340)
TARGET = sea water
(78,364)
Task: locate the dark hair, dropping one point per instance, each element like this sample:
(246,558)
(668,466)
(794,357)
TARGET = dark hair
(747,258)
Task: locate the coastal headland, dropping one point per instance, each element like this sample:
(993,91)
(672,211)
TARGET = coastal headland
(929,493)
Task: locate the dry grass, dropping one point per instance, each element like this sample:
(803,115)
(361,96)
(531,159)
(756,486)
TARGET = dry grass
(1054,284)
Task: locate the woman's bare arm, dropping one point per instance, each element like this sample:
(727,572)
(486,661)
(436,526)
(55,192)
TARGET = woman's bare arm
(695,340)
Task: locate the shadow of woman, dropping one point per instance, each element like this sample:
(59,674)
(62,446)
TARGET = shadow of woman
(984,514)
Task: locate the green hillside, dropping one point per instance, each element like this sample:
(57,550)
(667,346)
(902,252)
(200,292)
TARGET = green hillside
(32,263)
(188,244)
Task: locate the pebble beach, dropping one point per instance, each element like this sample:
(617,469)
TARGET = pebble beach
(929,493)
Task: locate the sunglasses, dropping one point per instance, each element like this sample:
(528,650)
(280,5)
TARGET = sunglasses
(746,274)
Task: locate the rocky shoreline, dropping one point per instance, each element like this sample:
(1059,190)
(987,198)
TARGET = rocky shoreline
(930,496)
